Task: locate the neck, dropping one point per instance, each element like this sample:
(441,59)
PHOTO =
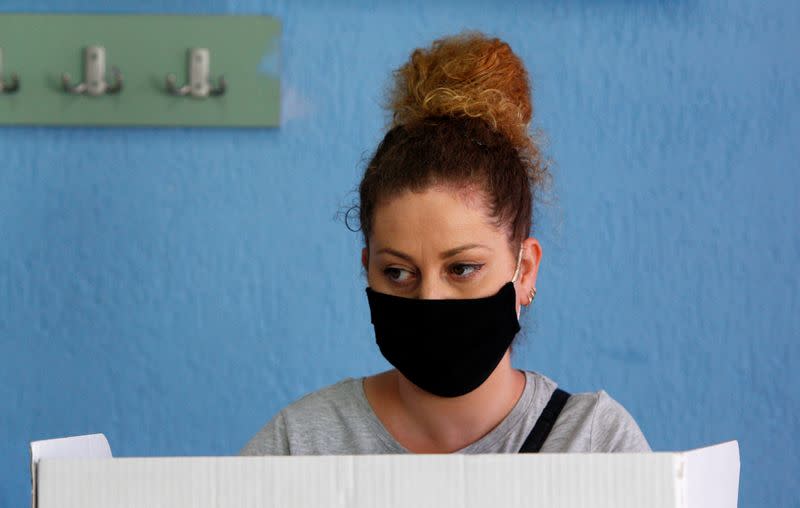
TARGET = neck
(443,425)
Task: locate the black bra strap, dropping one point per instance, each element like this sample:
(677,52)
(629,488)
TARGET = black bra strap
(533,443)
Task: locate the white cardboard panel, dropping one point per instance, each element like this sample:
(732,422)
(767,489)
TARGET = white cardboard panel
(706,478)
(575,480)
(710,472)
(93,445)
(90,446)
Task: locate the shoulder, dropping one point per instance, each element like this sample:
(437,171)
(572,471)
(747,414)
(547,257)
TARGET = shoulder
(613,427)
(330,401)
(610,426)
(309,424)
(593,422)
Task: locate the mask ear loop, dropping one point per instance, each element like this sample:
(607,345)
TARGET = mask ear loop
(516,272)
(519,259)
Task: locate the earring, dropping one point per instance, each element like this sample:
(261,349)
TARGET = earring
(531,296)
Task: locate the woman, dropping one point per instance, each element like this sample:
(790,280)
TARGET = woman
(445,210)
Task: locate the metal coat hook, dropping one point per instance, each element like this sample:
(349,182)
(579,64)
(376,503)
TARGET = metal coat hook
(94,75)
(199,85)
(13,85)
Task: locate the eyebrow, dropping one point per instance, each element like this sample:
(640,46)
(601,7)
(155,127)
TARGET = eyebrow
(444,255)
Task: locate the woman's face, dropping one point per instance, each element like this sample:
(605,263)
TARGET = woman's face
(442,244)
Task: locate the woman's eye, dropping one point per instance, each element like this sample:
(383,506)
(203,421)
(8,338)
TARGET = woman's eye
(397,274)
(463,270)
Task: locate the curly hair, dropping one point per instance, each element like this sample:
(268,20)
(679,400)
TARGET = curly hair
(460,116)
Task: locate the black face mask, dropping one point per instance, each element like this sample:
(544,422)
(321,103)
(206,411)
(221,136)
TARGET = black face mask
(445,347)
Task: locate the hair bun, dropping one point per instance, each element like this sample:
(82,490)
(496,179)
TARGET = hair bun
(466,75)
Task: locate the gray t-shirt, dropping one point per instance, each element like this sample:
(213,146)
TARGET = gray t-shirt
(338,420)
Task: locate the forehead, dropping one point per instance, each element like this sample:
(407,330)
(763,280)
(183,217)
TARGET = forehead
(438,217)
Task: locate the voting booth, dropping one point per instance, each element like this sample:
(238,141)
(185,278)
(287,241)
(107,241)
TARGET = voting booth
(80,472)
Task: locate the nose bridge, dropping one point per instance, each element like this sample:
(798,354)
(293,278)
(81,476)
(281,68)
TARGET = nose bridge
(431,287)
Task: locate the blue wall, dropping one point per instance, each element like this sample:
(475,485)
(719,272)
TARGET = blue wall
(173,288)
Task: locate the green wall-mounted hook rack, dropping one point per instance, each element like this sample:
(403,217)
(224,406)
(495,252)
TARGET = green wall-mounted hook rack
(146,49)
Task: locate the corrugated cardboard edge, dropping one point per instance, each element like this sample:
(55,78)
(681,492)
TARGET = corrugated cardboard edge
(681,490)
(33,478)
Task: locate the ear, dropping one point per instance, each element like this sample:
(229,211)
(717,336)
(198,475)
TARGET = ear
(365,259)
(529,269)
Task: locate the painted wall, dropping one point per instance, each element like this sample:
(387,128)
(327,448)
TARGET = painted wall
(173,288)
